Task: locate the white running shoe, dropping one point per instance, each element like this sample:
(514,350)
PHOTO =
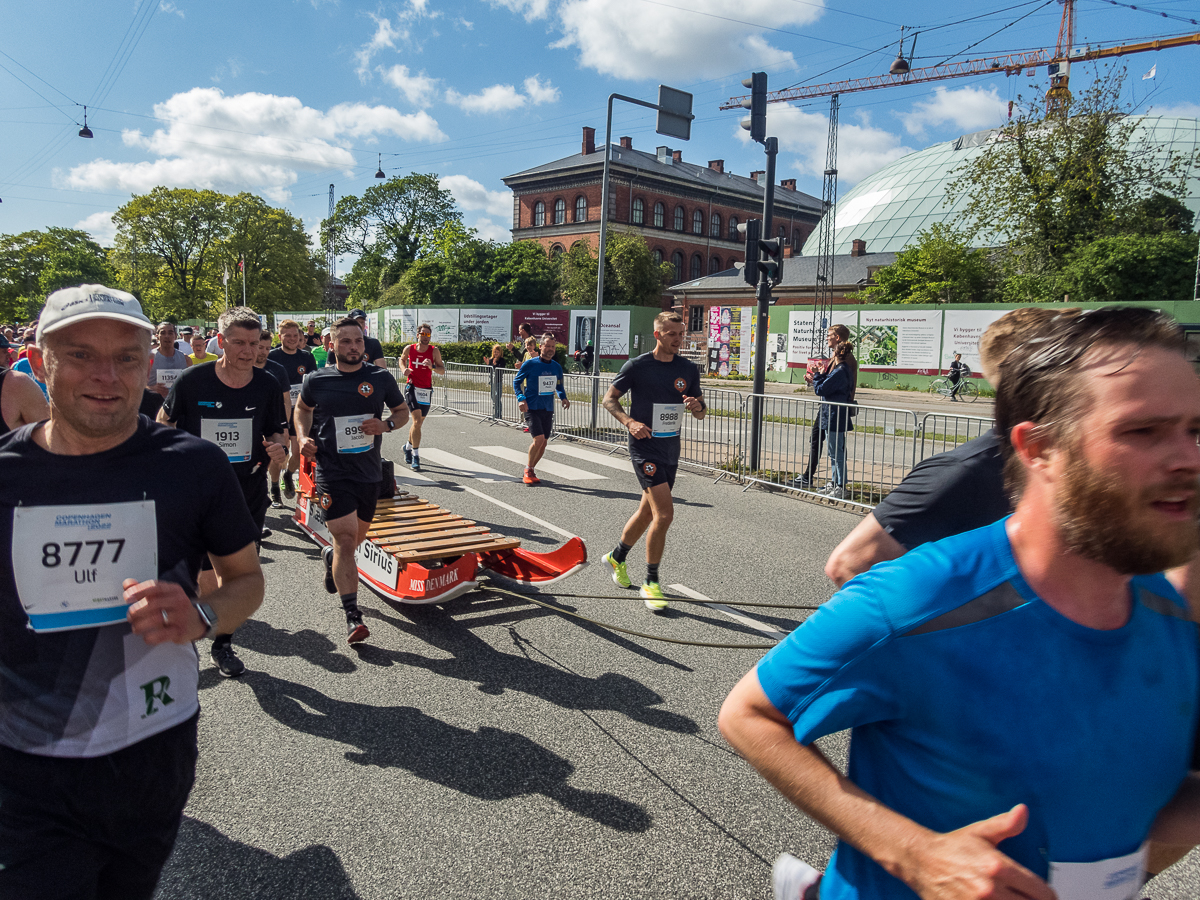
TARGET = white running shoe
(794,879)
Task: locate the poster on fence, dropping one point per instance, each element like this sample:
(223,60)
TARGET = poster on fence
(962,332)
(614,343)
(898,341)
(402,323)
(484,324)
(323,319)
(542,321)
(800,334)
(777,356)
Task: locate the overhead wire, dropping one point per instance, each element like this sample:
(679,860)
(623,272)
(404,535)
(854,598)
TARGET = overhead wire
(121,57)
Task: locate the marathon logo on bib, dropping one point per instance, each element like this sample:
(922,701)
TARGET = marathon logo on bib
(350,435)
(546,385)
(366,389)
(681,384)
(667,420)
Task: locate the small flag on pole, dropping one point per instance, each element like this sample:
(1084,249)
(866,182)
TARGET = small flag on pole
(225,277)
(241,264)
(1149,76)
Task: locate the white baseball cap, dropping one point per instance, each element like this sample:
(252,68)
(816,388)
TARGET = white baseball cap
(90,301)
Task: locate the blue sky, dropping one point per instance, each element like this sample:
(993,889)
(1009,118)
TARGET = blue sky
(284,97)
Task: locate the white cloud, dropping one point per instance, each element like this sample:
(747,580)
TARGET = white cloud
(674,40)
(505,97)
(862,148)
(100,226)
(460,22)
(419,90)
(246,141)
(167,7)
(490,231)
(470,195)
(386,34)
(967,109)
(1183,110)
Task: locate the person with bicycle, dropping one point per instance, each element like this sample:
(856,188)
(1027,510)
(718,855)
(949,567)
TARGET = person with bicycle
(959,372)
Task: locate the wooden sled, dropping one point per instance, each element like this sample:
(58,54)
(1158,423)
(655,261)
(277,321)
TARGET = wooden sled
(417,552)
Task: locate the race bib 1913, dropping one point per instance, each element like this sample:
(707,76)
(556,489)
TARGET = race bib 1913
(350,436)
(231,435)
(69,561)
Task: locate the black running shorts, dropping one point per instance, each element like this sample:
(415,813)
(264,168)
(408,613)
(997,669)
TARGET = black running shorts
(340,498)
(650,472)
(410,400)
(540,422)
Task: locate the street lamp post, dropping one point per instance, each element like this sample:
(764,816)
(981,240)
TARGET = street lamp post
(674,120)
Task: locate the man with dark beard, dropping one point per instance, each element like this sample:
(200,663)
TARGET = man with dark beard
(1022,697)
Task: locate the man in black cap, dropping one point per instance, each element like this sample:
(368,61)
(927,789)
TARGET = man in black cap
(374,348)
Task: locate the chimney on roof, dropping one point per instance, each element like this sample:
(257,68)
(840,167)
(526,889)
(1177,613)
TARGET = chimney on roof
(788,184)
(858,247)
(677,156)
(589,140)
(664,155)
(717,165)
(754,176)
(626,143)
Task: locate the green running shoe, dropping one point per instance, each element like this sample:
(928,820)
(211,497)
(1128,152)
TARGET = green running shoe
(652,596)
(620,575)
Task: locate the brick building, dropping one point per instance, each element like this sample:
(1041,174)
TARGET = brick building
(688,214)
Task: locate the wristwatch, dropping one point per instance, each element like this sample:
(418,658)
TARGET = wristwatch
(208,616)
(390,423)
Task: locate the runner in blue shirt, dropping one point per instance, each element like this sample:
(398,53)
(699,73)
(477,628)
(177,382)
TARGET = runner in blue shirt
(993,681)
(535,384)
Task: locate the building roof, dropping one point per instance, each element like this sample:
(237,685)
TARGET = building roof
(891,207)
(798,272)
(664,166)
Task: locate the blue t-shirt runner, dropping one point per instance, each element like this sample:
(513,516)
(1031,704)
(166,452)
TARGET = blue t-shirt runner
(967,694)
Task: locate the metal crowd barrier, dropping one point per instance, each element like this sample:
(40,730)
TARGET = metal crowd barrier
(882,444)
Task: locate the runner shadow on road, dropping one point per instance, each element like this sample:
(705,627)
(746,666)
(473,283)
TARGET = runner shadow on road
(207,864)
(489,764)
(473,659)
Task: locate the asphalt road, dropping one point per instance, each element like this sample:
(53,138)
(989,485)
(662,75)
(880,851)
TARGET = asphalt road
(494,749)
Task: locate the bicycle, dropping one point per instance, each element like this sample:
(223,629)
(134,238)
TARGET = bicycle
(968,391)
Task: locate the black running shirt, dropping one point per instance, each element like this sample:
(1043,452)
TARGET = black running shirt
(341,401)
(297,365)
(279,373)
(148,508)
(235,419)
(656,391)
(374,349)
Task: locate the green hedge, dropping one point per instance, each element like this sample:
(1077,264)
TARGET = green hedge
(472,352)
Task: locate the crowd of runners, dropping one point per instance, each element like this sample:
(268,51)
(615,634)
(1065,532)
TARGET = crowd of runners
(1019,677)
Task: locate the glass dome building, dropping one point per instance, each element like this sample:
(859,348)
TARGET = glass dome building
(889,208)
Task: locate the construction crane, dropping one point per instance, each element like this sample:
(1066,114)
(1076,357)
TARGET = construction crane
(1058,100)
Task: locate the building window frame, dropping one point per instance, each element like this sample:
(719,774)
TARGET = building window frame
(677,264)
(697,269)
(660,213)
(697,222)
(658,256)
(680,216)
(696,318)
(733,228)
(639,211)
(714,265)
(539,214)
(560,211)
(714,226)
(581,208)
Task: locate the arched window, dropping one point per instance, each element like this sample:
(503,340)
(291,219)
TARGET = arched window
(581,208)
(797,241)
(639,211)
(714,265)
(539,214)
(658,257)
(783,234)
(697,266)
(733,232)
(697,222)
(560,211)
(556,250)
(679,218)
(677,262)
(714,227)
(659,212)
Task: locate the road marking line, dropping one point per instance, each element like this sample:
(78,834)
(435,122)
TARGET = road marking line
(520,456)
(734,614)
(519,512)
(413,478)
(612,462)
(465,466)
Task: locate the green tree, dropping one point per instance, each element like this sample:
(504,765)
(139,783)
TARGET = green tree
(1051,182)
(454,267)
(1128,267)
(522,274)
(34,264)
(387,225)
(939,267)
(630,276)
(280,270)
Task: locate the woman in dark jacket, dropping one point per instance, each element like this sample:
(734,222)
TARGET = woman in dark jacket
(836,386)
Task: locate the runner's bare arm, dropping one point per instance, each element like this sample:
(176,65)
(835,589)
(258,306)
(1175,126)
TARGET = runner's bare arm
(400,414)
(404,369)
(696,406)
(162,419)
(438,365)
(959,864)
(303,422)
(612,402)
(866,545)
(31,403)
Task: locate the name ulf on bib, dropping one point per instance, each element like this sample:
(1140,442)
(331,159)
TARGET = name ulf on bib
(69,561)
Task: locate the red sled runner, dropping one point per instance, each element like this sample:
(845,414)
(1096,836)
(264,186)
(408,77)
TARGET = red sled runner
(417,552)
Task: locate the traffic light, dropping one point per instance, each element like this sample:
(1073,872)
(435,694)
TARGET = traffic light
(751,228)
(756,122)
(770,261)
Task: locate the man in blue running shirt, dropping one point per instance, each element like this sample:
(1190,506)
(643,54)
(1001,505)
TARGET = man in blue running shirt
(1022,697)
(535,384)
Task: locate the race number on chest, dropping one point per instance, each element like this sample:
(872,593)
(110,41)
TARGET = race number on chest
(546,385)
(231,435)
(668,419)
(350,436)
(69,561)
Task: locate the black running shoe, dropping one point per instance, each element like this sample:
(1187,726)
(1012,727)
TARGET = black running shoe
(266,533)
(227,661)
(276,500)
(327,555)
(356,631)
(289,486)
